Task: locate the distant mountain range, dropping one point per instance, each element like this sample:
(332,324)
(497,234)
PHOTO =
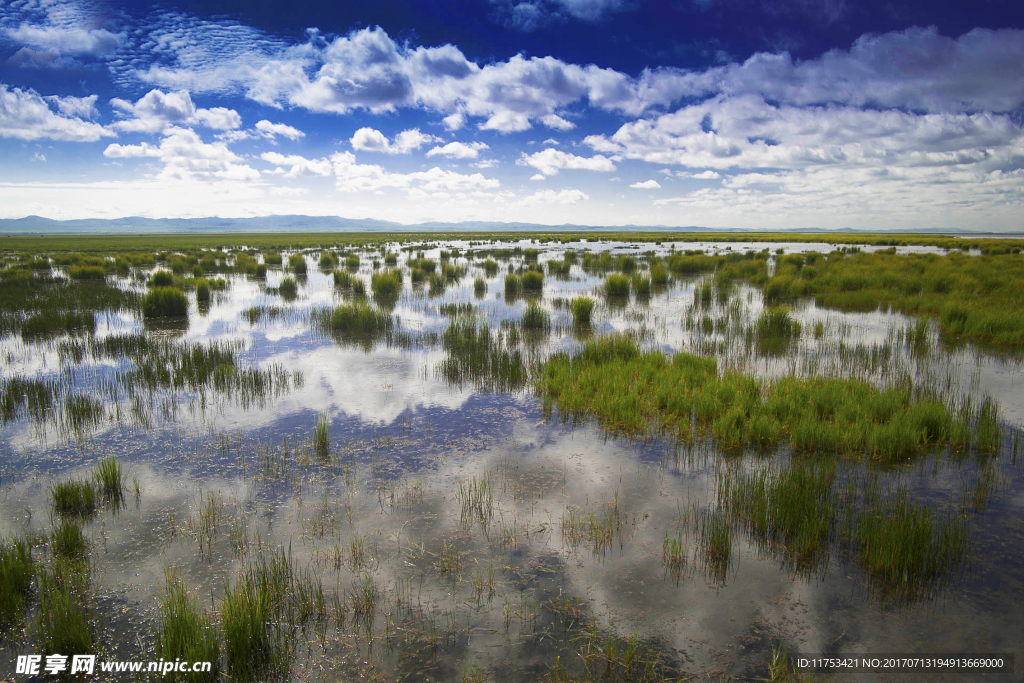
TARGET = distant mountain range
(138,224)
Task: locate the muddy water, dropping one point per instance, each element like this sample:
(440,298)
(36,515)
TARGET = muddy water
(506,596)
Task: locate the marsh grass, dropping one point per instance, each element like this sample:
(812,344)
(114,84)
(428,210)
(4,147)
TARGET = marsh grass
(714,539)
(289,288)
(68,542)
(17,567)
(186,633)
(646,392)
(164,302)
(532,282)
(74,498)
(513,286)
(321,437)
(110,481)
(386,287)
(297,264)
(257,646)
(480,356)
(616,286)
(581,307)
(535,318)
(479,287)
(64,621)
(776,330)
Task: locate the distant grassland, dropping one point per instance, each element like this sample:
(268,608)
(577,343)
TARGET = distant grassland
(123,242)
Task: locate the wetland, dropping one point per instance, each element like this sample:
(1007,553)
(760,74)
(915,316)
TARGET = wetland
(511,457)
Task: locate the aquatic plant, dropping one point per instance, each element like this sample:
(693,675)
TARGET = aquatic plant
(164,302)
(185,633)
(616,285)
(17,567)
(581,307)
(74,497)
(535,318)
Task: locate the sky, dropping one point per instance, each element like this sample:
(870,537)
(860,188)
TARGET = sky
(868,114)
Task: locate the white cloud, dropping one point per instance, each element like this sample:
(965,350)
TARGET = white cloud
(529,15)
(538,176)
(455,121)
(459,150)
(547,197)
(647,185)
(80,107)
(186,157)
(485,163)
(550,161)
(271,130)
(557,122)
(293,165)
(66,41)
(27,116)
(156,110)
(372,140)
(351,176)
(550,141)
(282,191)
(38,156)
(703,175)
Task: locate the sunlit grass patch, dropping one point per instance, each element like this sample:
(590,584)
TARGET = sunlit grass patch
(74,497)
(186,633)
(582,308)
(164,302)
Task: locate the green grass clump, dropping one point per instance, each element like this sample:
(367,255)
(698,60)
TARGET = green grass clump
(64,623)
(352,262)
(582,307)
(68,542)
(17,568)
(110,481)
(322,437)
(641,285)
(87,273)
(480,286)
(326,262)
(386,286)
(186,633)
(297,264)
(638,392)
(480,356)
(342,279)
(513,285)
(358,287)
(164,302)
(289,288)
(161,278)
(535,318)
(490,267)
(256,639)
(74,497)
(360,317)
(202,290)
(616,285)
(532,281)
(438,284)
(659,275)
(273,258)
(775,330)
(906,550)
(791,511)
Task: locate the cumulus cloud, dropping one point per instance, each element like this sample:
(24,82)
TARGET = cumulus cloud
(351,176)
(550,161)
(25,115)
(372,140)
(703,175)
(81,107)
(546,197)
(459,150)
(156,110)
(272,130)
(647,185)
(185,156)
(293,165)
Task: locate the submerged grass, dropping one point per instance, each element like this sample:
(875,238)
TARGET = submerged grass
(581,307)
(74,498)
(480,356)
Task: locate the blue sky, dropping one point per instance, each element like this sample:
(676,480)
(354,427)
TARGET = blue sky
(717,113)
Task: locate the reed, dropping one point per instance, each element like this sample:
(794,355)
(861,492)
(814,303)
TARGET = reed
(17,567)
(74,497)
(616,286)
(535,318)
(581,307)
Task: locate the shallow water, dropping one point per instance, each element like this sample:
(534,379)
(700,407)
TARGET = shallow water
(403,438)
